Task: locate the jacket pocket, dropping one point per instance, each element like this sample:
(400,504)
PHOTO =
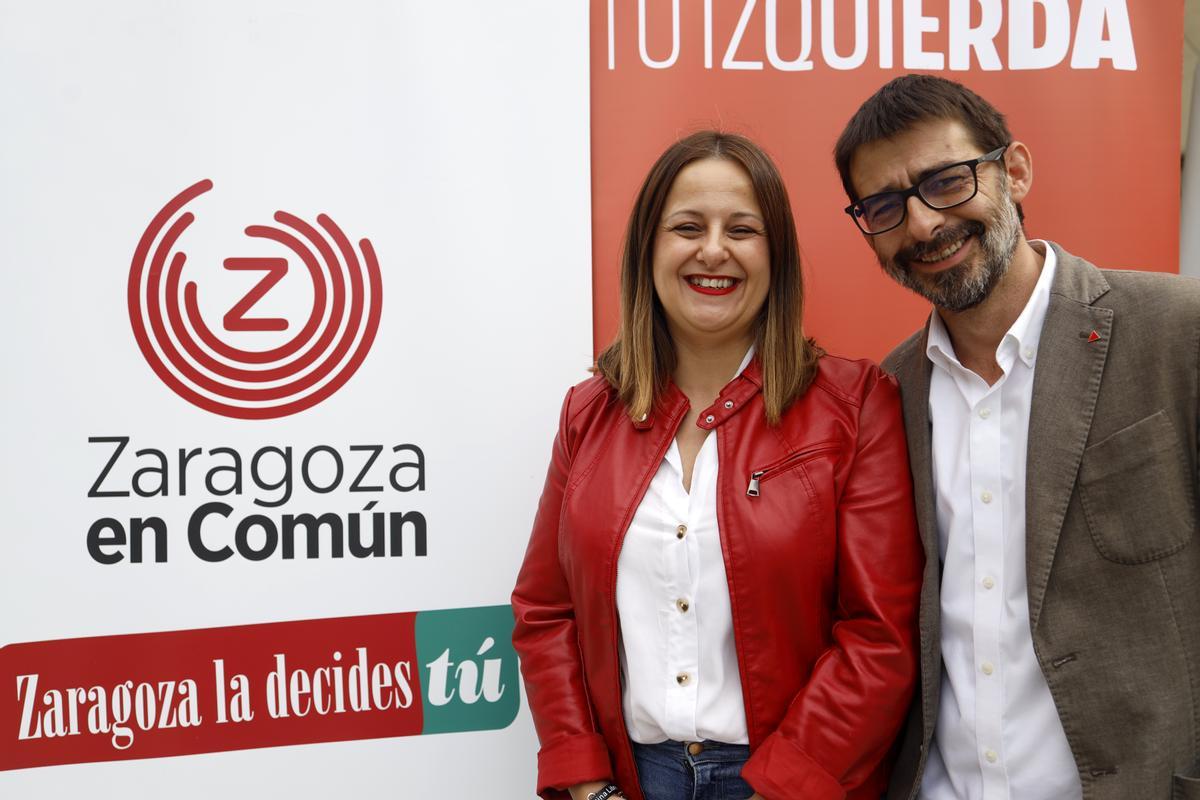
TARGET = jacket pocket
(1137,493)
(786,464)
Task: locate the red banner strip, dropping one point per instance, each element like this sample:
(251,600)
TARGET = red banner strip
(201,691)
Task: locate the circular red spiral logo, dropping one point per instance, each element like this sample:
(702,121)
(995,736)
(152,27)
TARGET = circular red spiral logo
(208,371)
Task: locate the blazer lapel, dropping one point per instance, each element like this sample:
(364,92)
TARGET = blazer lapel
(913,371)
(1066,383)
(914,375)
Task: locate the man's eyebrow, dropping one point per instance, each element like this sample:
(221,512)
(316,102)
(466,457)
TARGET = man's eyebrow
(937,168)
(922,175)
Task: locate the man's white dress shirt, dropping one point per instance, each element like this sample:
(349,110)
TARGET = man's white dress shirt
(998,735)
(677,649)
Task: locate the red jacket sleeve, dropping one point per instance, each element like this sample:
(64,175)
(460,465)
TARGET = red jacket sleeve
(545,638)
(842,724)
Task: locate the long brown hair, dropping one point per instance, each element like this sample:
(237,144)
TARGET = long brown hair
(640,361)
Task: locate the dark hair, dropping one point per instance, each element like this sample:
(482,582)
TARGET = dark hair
(912,99)
(642,358)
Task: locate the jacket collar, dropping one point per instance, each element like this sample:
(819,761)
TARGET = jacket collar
(1066,384)
(736,394)
(1078,281)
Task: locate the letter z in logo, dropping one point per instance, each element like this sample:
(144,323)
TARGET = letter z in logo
(235,319)
(225,378)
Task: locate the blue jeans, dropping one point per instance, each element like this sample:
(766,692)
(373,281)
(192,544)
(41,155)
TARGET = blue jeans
(669,771)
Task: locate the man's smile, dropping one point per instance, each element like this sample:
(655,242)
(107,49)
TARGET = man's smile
(951,247)
(947,257)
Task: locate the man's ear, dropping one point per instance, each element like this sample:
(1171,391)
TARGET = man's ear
(1018,164)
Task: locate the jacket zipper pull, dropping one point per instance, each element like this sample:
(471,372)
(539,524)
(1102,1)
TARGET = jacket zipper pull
(752,489)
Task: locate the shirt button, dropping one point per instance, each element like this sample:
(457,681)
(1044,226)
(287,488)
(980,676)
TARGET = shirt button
(729,404)
(682,605)
(1028,352)
(683,679)
(709,419)
(987,667)
(988,582)
(986,496)
(681,531)
(990,755)
(984,413)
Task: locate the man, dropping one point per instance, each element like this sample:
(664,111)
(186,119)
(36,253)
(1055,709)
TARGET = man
(1051,410)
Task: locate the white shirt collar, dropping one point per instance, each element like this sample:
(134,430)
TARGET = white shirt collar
(1022,338)
(745,361)
(673,457)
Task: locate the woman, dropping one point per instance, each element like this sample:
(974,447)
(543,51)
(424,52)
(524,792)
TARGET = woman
(720,589)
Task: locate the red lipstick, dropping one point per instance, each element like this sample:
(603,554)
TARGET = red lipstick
(712,290)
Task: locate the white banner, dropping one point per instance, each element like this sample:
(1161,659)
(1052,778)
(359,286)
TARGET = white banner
(294,293)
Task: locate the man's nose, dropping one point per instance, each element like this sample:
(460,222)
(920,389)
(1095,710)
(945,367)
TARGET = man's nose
(923,222)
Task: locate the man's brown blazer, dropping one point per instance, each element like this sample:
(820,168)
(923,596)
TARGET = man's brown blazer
(1111,553)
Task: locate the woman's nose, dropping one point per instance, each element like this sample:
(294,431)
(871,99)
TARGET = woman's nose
(712,249)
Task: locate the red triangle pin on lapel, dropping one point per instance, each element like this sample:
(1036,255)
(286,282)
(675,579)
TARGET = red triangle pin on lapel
(1093,337)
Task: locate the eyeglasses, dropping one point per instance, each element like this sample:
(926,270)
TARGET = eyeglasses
(950,186)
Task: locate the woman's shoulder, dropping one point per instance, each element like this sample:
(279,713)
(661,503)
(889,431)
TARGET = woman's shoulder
(850,380)
(584,408)
(586,394)
(584,401)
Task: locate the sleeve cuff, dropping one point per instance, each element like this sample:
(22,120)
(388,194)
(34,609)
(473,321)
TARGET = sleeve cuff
(779,770)
(572,760)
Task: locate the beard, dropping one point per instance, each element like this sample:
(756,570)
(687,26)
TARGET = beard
(968,284)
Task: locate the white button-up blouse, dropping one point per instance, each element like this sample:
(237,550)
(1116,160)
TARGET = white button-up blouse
(677,650)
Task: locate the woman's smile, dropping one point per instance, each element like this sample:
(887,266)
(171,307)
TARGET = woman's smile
(711,258)
(712,285)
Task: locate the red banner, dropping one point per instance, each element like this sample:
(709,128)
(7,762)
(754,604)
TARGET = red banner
(163,694)
(1092,86)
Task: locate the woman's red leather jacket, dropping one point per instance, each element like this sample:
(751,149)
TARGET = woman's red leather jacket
(824,568)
